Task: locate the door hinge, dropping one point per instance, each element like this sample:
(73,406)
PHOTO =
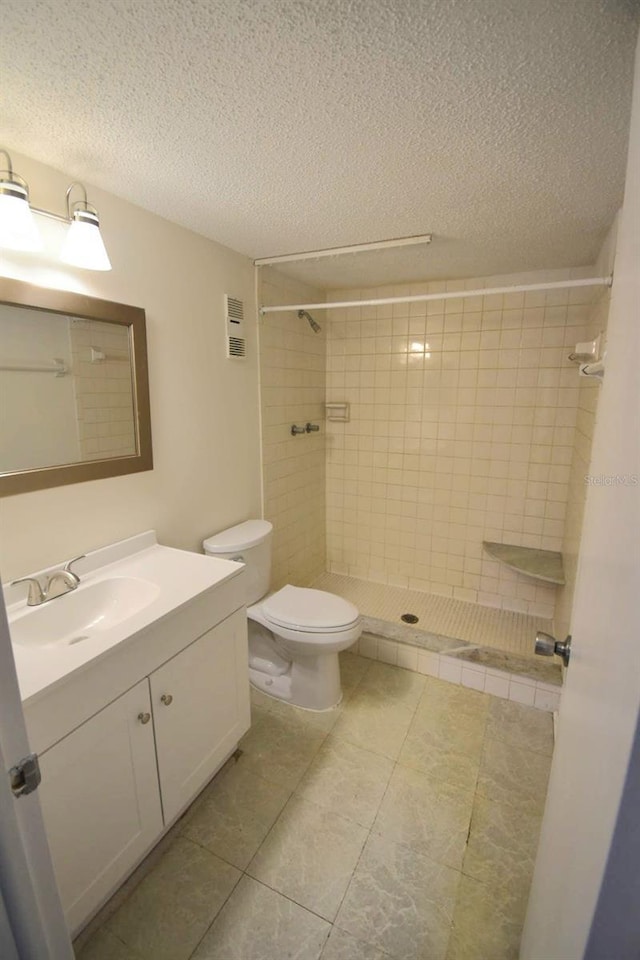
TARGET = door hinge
(25,777)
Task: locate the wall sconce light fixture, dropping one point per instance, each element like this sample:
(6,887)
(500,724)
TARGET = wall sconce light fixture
(83,245)
(18,229)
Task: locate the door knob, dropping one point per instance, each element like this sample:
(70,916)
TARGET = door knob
(547,646)
(167,699)
(144,717)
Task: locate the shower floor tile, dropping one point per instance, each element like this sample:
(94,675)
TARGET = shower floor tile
(408,857)
(441,616)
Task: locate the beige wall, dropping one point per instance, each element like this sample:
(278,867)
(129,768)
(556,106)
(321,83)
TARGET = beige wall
(292,378)
(204,407)
(462,429)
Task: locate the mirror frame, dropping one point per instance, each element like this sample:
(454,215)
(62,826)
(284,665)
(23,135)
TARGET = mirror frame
(17,293)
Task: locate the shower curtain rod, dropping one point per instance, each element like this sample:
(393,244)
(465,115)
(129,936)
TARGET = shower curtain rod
(452,295)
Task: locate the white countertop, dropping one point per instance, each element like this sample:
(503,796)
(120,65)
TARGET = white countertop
(179,575)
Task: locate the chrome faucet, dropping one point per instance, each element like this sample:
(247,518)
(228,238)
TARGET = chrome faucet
(58,583)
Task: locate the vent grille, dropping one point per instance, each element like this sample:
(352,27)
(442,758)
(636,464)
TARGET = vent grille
(234,318)
(236,309)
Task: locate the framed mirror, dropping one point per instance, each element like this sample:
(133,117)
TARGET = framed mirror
(74,389)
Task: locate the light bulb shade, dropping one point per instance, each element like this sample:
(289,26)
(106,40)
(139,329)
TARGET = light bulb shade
(83,245)
(18,230)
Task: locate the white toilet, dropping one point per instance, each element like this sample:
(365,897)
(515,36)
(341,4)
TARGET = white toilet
(295,634)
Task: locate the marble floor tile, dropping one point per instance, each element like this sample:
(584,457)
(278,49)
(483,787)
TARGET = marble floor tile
(400,901)
(383,682)
(441,876)
(447,753)
(104,946)
(513,776)
(278,748)
(310,856)
(447,704)
(487,923)
(446,734)
(257,923)
(379,726)
(521,726)
(428,815)
(320,721)
(168,913)
(346,779)
(502,845)
(234,814)
(352,670)
(342,946)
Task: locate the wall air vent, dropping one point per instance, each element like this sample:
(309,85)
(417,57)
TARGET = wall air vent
(234,319)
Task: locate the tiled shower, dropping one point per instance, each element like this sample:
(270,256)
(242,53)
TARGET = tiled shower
(293,391)
(468,422)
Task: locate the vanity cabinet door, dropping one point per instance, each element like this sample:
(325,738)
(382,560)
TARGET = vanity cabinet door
(200,704)
(101,802)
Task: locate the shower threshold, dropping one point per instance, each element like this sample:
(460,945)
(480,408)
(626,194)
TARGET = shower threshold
(455,640)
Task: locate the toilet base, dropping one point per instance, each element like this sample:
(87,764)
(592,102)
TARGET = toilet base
(312,683)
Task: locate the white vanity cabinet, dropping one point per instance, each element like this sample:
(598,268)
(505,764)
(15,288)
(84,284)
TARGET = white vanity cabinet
(124,773)
(200,710)
(100,801)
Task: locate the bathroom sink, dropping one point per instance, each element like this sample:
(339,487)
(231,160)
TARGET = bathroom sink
(126,588)
(83,613)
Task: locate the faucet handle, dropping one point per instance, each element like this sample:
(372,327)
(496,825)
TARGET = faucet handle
(68,569)
(36,593)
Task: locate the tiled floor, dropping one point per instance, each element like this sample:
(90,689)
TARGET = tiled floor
(471,622)
(401,825)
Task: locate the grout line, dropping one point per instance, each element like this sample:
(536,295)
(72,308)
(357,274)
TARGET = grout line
(218,912)
(244,872)
(287,897)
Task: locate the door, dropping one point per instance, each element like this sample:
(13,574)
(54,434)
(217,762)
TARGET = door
(100,801)
(573,883)
(32,924)
(200,710)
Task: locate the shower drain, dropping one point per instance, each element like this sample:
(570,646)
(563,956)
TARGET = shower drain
(409,618)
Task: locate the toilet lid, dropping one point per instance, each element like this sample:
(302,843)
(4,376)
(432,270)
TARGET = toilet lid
(314,610)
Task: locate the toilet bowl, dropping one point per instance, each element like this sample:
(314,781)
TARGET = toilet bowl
(295,633)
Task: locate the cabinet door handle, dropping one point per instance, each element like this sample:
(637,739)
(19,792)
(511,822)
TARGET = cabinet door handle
(144,717)
(167,699)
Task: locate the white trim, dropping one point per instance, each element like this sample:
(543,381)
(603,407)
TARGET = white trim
(352,248)
(27,880)
(451,295)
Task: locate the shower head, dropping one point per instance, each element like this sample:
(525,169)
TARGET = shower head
(312,323)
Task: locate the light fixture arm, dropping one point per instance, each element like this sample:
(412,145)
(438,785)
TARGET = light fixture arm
(68,218)
(9,167)
(11,183)
(85,201)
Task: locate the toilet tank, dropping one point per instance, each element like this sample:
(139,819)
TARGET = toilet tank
(250,543)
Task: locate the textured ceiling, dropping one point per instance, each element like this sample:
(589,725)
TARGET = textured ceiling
(284,125)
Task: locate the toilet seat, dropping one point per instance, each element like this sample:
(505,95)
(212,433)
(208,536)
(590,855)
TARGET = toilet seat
(310,611)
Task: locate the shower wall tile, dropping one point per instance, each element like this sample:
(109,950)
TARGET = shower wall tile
(463,422)
(292,390)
